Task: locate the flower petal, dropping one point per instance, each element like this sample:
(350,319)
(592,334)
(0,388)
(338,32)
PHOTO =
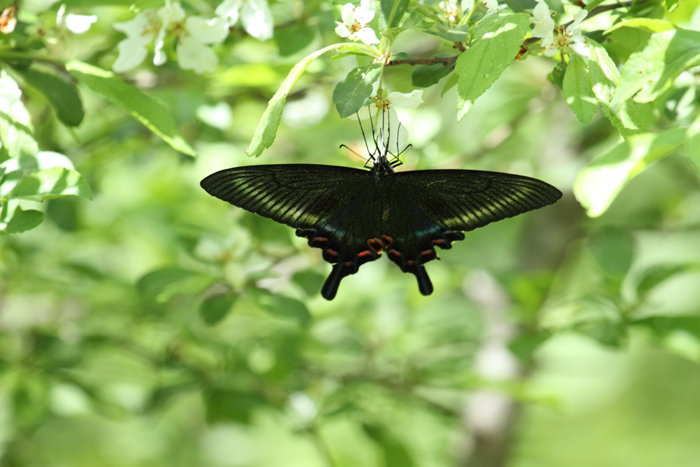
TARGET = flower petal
(348,14)
(467,5)
(342,30)
(406,101)
(138,25)
(171,12)
(256,18)
(132,52)
(80,24)
(229,10)
(366,35)
(194,55)
(207,31)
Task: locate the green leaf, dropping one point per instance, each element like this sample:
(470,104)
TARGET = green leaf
(496,43)
(149,111)
(51,183)
(629,118)
(283,307)
(24,220)
(447,34)
(693,144)
(672,4)
(215,308)
(651,71)
(351,94)
(449,84)
(424,76)
(266,131)
(168,282)
(647,24)
(16,132)
(310,281)
(393,11)
(655,275)
(613,250)
(293,39)
(227,405)
(395,452)
(598,184)
(578,90)
(62,96)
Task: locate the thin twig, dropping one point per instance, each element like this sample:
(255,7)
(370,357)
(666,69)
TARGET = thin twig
(425,61)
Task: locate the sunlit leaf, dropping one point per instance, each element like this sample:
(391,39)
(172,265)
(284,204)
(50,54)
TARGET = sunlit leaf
(149,111)
(266,131)
(630,117)
(647,24)
(495,44)
(352,93)
(651,71)
(51,183)
(598,184)
(24,220)
(578,90)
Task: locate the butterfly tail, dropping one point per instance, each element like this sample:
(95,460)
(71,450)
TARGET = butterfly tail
(424,284)
(340,270)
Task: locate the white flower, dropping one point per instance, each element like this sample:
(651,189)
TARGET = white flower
(170,13)
(467,5)
(255,16)
(78,24)
(542,19)
(450,9)
(192,50)
(355,20)
(140,31)
(569,37)
(493,5)
(194,36)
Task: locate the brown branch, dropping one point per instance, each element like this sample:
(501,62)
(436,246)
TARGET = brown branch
(446,61)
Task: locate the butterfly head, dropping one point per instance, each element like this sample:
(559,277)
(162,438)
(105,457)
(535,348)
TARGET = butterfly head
(385,145)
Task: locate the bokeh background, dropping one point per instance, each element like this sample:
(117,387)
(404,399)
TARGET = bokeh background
(158,326)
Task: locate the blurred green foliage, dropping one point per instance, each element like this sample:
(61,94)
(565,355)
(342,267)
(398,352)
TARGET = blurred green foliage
(155,325)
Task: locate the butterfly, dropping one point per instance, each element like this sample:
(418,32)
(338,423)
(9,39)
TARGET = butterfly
(354,215)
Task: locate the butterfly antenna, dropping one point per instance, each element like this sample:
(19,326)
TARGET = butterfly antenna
(364,137)
(374,135)
(346,147)
(388,136)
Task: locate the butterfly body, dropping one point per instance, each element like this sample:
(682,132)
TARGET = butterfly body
(354,215)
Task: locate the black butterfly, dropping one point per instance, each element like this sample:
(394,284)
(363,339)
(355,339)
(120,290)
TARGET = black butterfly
(354,215)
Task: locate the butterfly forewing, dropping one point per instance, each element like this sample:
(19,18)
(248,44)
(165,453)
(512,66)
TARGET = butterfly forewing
(298,195)
(467,199)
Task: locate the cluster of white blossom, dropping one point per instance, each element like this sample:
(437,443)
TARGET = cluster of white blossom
(194,34)
(355,20)
(557,37)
